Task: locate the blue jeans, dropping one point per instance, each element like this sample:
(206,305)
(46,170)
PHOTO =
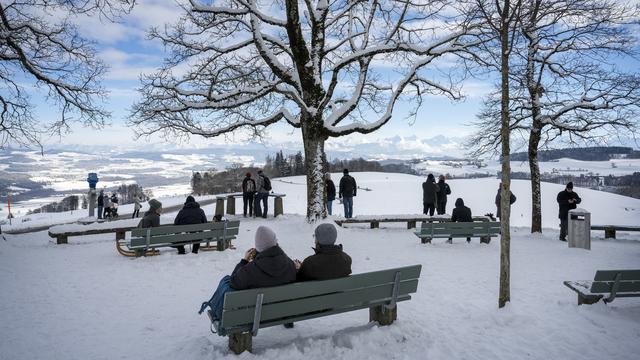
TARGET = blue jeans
(329,206)
(264,197)
(216,302)
(347,201)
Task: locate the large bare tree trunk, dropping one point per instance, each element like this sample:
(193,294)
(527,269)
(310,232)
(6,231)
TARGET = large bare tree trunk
(534,168)
(505,205)
(314,159)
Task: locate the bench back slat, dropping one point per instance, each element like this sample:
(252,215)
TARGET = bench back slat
(214,235)
(606,286)
(173,229)
(316,304)
(307,298)
(460,228)
(610,275)
(238,299)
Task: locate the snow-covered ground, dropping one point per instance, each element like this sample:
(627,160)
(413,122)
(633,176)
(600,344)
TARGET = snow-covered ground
(84,301)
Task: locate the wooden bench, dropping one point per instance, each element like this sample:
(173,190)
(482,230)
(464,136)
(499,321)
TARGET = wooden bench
(145,240)
(615,283)
(610,230)
(485,230)
(62,237)
(411,220)
(246,311)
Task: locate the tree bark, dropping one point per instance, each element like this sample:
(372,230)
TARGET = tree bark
(314,158)
(534,168)
(505,206)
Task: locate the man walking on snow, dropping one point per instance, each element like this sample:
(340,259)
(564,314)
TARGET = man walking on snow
(567,200)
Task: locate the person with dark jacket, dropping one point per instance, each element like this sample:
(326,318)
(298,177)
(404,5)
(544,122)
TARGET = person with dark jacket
(331,193)
(329,261)
(248,192)
(461,213)
(429,195)
(512,199)
(443,191)
(265,265)
(152,217)
(567,200)
(262,195)
(347,191)
(191,213)
(100,203)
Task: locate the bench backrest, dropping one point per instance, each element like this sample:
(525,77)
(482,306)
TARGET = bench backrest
(306,300)
(460,228)
(604,280)
(143,237)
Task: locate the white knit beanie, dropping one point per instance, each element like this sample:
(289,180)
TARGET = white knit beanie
(265,238)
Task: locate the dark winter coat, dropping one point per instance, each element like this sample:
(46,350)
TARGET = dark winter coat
(443,191)
(114,199)
(100,200)
(512,199)
(248,185)
(430,192)
(563,203)
(270,268)
(260,184)
(461,213)
(329,262)
(150,219)
(348,187)
(331,190)
(191,213)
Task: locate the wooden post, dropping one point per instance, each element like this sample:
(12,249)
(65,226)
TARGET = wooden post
(278,208)
(375,225)
(219,206)
(61,239)
(231,205)
(240,342)
(120,235)
(383,315)
(222,245)
(411,224)
(610,233)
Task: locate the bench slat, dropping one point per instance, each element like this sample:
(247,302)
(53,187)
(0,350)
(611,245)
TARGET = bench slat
(610,275)
(243,298)
(173,238)
(141,243)
(348,299)
(605,287)
(162,230)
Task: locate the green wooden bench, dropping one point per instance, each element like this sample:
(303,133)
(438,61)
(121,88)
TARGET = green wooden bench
(144,240)
(485,230)
(615,283)
(610,230)
(246,311)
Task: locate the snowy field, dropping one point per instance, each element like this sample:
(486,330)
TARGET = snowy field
(85,301)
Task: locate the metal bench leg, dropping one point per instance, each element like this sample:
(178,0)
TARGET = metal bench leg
(614,289)
(386,314)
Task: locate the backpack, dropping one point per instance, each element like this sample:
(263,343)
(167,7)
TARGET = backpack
(266,183)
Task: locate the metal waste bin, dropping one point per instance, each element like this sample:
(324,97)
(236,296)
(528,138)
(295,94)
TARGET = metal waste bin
(579,229)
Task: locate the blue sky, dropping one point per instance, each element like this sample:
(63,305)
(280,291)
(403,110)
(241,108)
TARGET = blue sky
(124,47)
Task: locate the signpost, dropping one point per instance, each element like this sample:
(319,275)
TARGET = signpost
(92,179)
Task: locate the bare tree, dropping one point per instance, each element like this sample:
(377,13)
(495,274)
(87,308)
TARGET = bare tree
(566,83)
(502,19)
(40,50)
(328,68)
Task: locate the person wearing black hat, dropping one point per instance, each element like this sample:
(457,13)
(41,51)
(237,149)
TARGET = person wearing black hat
(191,213)
(248,192)
(152,217)
(329,261)
(567,200)
(347,191)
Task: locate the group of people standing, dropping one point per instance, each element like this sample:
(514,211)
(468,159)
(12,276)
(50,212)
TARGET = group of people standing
(347,191)
(107,205)
(434,195)
(253,194)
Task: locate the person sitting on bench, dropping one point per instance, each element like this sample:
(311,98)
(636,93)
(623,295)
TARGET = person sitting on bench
(461,213)
(329,261)
(191,213)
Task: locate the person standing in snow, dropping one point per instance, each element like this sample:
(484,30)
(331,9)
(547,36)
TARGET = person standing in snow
(348,190)
(443,191)
(264,186)
(248,192)
(107,206)
(136,207)
(100,204)
(567,200)
(152,217)
(429,195)
(461,213)
(191,213)
(330,191)
(512,199)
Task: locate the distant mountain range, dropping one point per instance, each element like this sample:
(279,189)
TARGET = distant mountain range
(594,153)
